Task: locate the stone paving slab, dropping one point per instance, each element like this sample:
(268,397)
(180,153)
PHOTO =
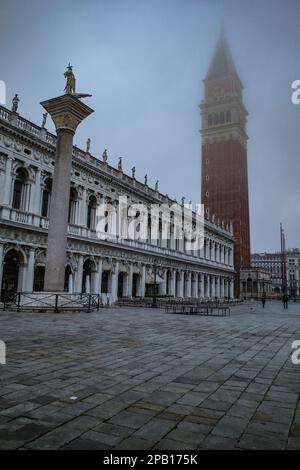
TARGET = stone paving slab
(125,378)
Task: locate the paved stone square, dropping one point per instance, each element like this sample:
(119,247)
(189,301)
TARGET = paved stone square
(144,379)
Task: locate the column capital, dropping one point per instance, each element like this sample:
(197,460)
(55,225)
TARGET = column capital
(67,112)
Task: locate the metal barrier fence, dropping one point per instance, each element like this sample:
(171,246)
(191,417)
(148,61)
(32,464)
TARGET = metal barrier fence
(48,301)
(215,311)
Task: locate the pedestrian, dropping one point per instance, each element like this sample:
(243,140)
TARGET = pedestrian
(285,300)
(263,300)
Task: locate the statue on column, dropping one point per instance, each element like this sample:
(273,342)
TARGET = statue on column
(133,172)
(71,81)
(182,200)
(44,120)
(15,103)
(156,185)
(145,180)
(120,164)
(105,156)
(88,145)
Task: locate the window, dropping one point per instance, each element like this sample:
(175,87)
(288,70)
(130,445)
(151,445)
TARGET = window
(228,116)
(18,200)
(210,120)
(222,117)
(46,198)
(216,119)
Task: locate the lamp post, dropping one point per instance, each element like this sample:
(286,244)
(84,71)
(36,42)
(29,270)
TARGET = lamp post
(154,300)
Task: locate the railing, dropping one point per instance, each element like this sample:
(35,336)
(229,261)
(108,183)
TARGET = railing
(47,301)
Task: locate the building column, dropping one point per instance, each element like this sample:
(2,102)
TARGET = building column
(194,285)
(207,287)
(142,282)
(35,194)
(163,285)
(181,285)
(213,287)
(201,285)
(129,281)
(78,275)
(29,271)
(172,284)
(114,282)
(1,264)
(70,283)
(7,188)
(218,287)
(231,289)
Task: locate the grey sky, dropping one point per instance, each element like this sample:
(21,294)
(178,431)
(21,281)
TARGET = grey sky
(144,62)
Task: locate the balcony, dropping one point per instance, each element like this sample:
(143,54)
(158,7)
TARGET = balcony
(32,220)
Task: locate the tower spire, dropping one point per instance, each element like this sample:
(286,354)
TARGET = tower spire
(222,63)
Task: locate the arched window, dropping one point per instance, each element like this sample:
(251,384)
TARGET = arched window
(20,193)
(91,213)
(46,197)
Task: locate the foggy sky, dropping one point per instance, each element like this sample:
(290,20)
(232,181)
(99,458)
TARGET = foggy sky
(144,62)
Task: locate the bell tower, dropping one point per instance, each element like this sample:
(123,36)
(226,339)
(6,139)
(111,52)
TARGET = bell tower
(224,187)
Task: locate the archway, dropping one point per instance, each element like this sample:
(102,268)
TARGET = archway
(87,276)
(38,280)
(68,284)
(11,275)
(135,284)
(121,280)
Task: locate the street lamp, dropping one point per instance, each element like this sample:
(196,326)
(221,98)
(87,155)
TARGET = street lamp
(154,300)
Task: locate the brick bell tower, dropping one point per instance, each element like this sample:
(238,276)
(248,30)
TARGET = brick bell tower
(224,188)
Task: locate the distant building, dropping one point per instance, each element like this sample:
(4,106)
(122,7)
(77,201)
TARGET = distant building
(272,263)
(255,282)
(224,183)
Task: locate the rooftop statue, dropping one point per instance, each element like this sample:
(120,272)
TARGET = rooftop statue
(15,103)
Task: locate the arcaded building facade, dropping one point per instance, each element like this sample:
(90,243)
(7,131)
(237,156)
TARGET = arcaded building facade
(117,267)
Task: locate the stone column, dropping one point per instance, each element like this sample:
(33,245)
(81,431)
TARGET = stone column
(1,264)
(6,194)
(195,285)
(98,280)
(213,287)
(67,112)
(29,271)
(163,285)
(172,283)
(217,287)
(129,285)
(201,285)
(231,288)
(181,285)
(114,282)
(78,275)
(207,286)
(142,282)
(70,283)
(188,285)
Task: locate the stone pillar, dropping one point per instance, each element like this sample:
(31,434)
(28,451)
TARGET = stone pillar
(195,286)
(207,294)
(1,264)
(70,283)
(189,285)
(201,285)
(181,285)
(6,194)
(114,282)
(98,280)
(231,289)
(129,285)
(163,285)
(142,282)
(172,284)
(67,112)
(35,196)
(217,287)
(213,287)
(29,271)
(78,275)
